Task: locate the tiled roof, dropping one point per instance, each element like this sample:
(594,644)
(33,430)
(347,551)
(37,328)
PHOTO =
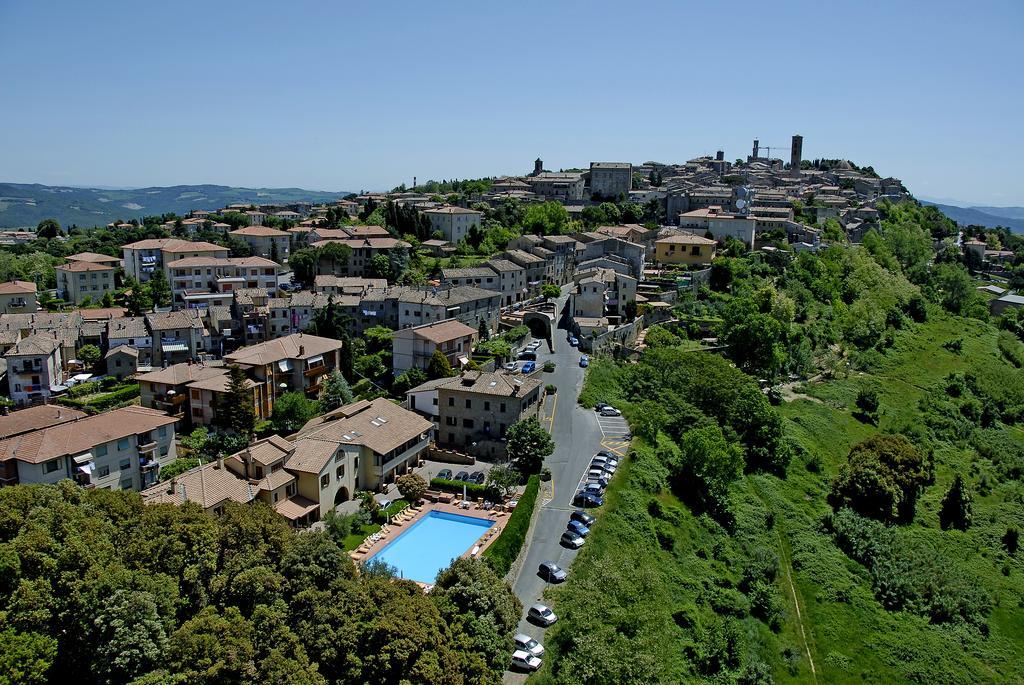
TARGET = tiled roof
(503,265)
(180,374)
(452,210)
(207,485)
(94,257)
(35,418)
(442,331)
(17,288)
(35,344)
(175,245)
(121,349)
(485,383)
(221,261)
(283,348)
(127,327)
(380,425)
(685,239)
(260,231)
(84,266)
(166,321)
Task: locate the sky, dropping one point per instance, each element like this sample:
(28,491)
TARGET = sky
(365,96)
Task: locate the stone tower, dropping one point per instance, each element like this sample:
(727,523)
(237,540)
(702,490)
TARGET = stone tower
(796,153)
(538,166)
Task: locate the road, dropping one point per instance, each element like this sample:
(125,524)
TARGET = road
(579,434)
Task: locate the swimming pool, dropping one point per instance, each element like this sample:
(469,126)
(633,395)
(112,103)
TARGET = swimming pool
(431,544)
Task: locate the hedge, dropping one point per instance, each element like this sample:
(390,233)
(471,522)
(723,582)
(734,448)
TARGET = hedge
(104,401)
(503,552)
(472,489)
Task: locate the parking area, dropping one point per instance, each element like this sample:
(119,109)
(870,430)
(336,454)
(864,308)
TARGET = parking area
(612,426)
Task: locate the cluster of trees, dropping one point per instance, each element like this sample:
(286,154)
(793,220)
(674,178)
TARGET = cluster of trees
(99,588)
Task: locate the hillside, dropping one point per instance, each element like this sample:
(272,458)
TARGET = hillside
(23,205)
(982,216)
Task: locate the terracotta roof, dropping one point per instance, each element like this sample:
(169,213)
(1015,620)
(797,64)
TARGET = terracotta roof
(265,452)
(35,344)
(218,383)
(283,348)
(84,266)
(261,231)
(207,485)
(17,288)
(94,257)
(685,239)
(221,261)
(165,321)
(101,313)
(367,231)
(180,374)
(35,418)
(122,349)
(484,383)
(81,435)
(452,210)
(175,245)
(311,455)
(380,425)
(442,331)
(296,507)
(375,243)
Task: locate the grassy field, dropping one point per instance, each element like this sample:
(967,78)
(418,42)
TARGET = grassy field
(672,588)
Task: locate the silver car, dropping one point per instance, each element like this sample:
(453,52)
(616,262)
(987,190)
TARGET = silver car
(525,661)
(542,614)
(572,540)
(527,644)
(610,411)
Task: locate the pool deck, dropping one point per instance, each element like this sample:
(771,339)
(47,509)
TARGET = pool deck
(400,524)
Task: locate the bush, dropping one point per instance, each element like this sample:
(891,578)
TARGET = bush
(549,367)
(550,389)
(411,486)
(503,551)
(98,403)
(472,489)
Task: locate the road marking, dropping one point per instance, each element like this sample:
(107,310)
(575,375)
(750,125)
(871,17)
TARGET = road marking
(554,408)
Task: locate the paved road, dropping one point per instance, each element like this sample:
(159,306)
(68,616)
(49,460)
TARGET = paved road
(578,437)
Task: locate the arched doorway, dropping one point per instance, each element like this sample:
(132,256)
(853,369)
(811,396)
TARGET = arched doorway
(539,324)
(341,495)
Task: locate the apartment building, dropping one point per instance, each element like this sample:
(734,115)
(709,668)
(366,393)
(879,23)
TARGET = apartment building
(296,362)
(611,179)
(122,449)
(133,332)
(18,297)
(360,261)
(145,256)
(563,187)
(35,368)
(95,258)
(454,223)
(684,248)
(201,282)
(167,390)
(341,285)
(77,281)
(720,224)
(534,268)
(412,348)
(265,241)
(177,336)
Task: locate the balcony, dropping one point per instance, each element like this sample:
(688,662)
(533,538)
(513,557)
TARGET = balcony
(26,369)
(314,371)
(146,447)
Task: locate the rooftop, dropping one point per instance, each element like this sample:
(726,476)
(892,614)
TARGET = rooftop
(440,332)
(18,288)
(294,346)
(35,418)
(262,231)
(208,486)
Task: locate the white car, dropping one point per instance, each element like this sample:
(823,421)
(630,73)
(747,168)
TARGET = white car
(510,366)
(525,643)
(610,411)
(525,661)
(571,539)
(541,614)
(535,345)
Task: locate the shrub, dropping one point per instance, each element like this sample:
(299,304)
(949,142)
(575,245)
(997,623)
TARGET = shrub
(98,403)
(550,389)
(411,486)
(549,367)
(472,489)
(503,552)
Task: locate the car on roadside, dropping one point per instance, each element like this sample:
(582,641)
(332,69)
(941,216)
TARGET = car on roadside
(552,572)
(535,345)
(446,474)
(584,361)
(610,411)
(529,367)
(525,661)
(510,366)
(594,489)
(604,465)
(607,458)
(573,341)
(599,477)
(384,503)
(572,540)
(541,614)
(583,517)
(528,644)
(584,498)
(478,477)
(578,528)
(527,355)
(462,475)
(599,406)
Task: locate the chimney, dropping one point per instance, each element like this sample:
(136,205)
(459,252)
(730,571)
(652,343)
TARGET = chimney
(302,350)
(220,462)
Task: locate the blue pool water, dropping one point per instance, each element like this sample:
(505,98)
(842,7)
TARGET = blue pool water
(431,544)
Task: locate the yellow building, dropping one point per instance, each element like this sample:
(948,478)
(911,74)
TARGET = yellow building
(684,248)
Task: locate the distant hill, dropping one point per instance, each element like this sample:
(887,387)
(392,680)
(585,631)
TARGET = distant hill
(983,216)
(23,204)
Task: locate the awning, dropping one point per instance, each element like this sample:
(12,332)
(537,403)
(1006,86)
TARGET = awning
(83,458)
(285,365)
(369,312)
(86,468)
(175,347)
(313,361)
(463,361)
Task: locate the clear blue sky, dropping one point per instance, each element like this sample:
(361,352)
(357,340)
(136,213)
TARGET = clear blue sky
(346,96)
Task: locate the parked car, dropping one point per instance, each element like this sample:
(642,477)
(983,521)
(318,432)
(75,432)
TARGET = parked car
(527,355)
(594,488)
(445,474)
(606,454)
(528,645)
(462,475)
(583,517)
(510,366)
(552,572)
(599,406)
(573,341)
(578,528)
(535,345)
(604,466)
(529,367)
(610,411)
(525,661)
(477,477)
(384,503)
(572,540)
(601,480)
(584,361)
(584,498)
(542,614)
(607,457)
(598,472)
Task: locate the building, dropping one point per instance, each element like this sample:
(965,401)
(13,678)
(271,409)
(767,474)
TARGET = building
(121,361)
(177,336)
(95,258)
(296,362)
(360,261)
(1001,304)
(265,241)
(511,280)
(412,348)
(602,293)
(563,187)
(166,389)
(684,248)
(35,368)
(208,396)
(351,285)
(534,268)
(122,449)
(145,256)
(611,179)
(474,410)
(720,224)
(796,155)
(77,281)
(133,332)
(202,282)
(453,223)
(18,297)
(411,306)
(211,486)
(30,420)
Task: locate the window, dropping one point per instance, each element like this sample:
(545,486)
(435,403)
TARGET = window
(101,451)
(502,407)
(162,432)
(258,470)
(340,472)
(449,420)
(195,393)
(197,413)
(487,406)
(467,423)
(104,471)
(469,403)
(51,466)
(451,401)
(325,480)
(275,498)
(435,401)
(127,484)
(451,437)
(290,490)
(125,464)
(122,444)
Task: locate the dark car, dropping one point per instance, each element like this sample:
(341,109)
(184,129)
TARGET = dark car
(594,489)
(477,477)
(462,475)
(599,406)
(446,474)
(587,499)
(552,572)
(583,517)
(578,528)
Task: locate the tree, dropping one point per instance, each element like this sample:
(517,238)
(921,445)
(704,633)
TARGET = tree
(439,366)
(411,486)
(505,478)
(89,355)
(131,636)
(380,267)
(647,420)
(136,297)
(881,479)
(367,502)
(291,412)
(378,339)
(335,392)
(335,254)
(706,466)
(550,291)
(178,467)
(528,444)
(482,331)
(407,380)
(48,228)
(303,263)
(159,289)
(867,403)
(25,657)
(236,410)
(955,511)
